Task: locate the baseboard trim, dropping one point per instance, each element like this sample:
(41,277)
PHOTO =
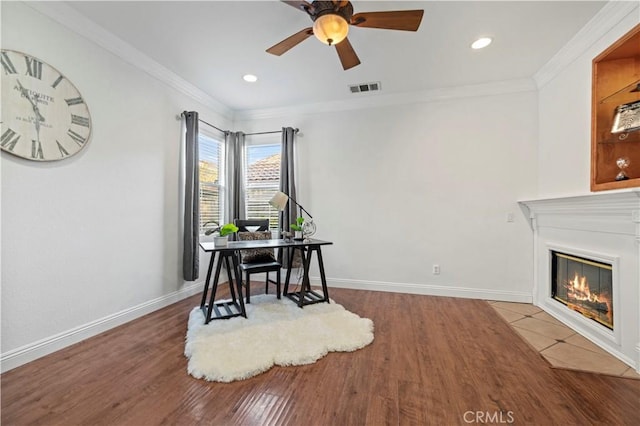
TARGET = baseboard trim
(429,290)
(22,355)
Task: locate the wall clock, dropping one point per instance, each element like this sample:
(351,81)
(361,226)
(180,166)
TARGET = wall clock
(44,116)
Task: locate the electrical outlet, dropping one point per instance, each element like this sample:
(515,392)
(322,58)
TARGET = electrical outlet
(436,269)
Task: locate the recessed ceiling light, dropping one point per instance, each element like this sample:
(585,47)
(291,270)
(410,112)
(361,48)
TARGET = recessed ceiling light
(250,78)
(481,42)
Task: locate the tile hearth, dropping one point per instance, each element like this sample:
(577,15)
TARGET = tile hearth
(558,344)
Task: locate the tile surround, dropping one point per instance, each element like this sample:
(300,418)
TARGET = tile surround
(558,344)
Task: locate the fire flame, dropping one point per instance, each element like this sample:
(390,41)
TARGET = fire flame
(578,290)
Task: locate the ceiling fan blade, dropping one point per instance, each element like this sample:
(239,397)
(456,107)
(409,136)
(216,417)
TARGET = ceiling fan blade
(405,20)
(289,42)
(300,5)
(347,55)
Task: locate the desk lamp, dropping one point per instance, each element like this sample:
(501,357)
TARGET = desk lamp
(279,201)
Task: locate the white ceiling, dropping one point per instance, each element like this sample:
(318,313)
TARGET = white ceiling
(212,44)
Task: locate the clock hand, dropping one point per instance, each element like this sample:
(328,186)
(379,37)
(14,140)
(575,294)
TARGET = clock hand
(36,110)
(39,116)
(34,104)
(25,93)
(38,119)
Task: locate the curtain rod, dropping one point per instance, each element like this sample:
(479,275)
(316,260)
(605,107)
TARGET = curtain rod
(296,130)
(268,133)
(209,124)
(202,121)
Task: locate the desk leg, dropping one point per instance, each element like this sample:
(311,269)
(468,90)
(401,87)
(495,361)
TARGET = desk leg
(286,280)
(212,298)
(306,285)
(323,279)
(230,276)
(206,282)
(236,268)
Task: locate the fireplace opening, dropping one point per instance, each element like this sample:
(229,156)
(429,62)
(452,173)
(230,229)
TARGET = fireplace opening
(583,285)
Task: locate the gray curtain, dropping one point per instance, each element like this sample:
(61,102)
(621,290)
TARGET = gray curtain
(234,151)
(288,186)
(190,255)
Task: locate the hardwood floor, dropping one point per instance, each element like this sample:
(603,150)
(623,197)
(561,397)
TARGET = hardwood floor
(434,360)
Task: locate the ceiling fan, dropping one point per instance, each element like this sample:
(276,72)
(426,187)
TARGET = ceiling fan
(331,20)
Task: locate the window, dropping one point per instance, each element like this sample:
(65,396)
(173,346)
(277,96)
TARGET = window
(211,167)
(262,180)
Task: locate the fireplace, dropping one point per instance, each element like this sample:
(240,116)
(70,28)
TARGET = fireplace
(587,266)
(583,285)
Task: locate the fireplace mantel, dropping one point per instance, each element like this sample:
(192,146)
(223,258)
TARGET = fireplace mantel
(623,206)
(604,225)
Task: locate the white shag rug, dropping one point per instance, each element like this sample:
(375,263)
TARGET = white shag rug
(276,332)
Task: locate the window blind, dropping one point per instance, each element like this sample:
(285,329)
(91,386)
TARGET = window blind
(211,180)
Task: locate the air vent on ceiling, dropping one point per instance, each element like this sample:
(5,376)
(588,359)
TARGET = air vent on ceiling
(365,87)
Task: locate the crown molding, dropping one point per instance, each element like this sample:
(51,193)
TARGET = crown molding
(80,24)
(376,100)
(608,17)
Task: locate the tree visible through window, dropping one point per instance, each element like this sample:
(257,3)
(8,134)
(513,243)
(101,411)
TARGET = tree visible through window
(262,181)
(211,152)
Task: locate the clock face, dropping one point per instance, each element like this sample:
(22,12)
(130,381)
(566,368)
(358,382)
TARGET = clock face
(44,116)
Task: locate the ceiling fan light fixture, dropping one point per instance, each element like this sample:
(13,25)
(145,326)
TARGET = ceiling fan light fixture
(330,28)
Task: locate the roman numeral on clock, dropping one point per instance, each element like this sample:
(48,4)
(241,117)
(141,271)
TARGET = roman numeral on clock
(7,65)
(74,101)
(76,137)
(63,152)
(7,139)
(36,150)
(58,80)
(80,121)
(34,67)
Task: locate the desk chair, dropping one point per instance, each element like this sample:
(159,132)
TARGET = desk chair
(257,261)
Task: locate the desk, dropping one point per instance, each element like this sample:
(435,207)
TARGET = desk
(229,256)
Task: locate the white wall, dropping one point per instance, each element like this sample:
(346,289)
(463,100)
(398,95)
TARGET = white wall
(564,164)
(400,188)
(95,236)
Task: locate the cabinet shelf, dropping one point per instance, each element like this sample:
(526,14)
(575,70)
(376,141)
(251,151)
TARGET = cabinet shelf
(615,141)
(616,81)
(628,92)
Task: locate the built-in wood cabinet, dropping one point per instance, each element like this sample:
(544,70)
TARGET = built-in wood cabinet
(615,113)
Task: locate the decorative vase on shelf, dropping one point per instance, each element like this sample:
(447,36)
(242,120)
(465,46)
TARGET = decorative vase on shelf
(623,164)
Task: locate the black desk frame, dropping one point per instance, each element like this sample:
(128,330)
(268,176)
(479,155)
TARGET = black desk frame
(307,296)
(223,309)
(229,256)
